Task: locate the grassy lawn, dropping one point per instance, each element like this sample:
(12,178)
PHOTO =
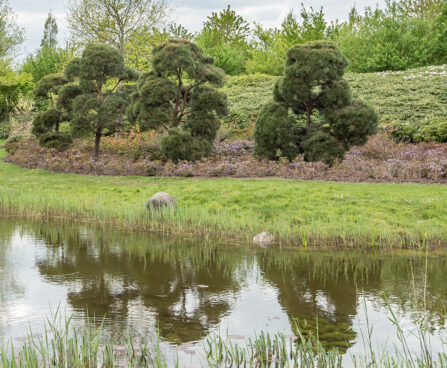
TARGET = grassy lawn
(297,212)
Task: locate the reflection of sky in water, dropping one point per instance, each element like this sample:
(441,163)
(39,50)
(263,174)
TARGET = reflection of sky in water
(247,300)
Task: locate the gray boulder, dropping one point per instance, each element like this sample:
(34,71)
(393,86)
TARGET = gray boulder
(160,200)
(264,239)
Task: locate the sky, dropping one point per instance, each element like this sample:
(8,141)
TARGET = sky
(31,14)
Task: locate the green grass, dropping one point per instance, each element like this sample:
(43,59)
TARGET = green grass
(306,213)
(412,96)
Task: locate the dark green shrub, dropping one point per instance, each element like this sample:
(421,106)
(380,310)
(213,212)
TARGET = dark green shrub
(93,108)
(59,141)
(181,145)
(46,122)
(313,112)
(274,132)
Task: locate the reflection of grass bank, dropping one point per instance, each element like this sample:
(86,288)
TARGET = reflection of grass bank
(306,213)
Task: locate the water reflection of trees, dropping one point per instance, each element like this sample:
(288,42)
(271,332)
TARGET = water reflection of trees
(188,286)
(320,289)
(97,265)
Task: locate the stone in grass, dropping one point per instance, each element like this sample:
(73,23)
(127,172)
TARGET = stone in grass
(264,239)
(160,200)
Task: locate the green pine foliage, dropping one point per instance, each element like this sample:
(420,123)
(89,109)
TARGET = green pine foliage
(95,108)
(180,97)
(312,111)
(59,141)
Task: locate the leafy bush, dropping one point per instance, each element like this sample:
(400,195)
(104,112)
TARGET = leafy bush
(12,144)
(181,145)
(433,131)
(46,122)
(57,140)
(5,129)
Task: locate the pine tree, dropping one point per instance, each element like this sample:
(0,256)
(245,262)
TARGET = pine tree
(313,112)
(95,108)
(49,39)
(179,97)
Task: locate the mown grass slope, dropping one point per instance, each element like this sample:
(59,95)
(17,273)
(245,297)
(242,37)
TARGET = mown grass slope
(411,96)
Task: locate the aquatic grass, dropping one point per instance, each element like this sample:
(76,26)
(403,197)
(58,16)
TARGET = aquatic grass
(65,346)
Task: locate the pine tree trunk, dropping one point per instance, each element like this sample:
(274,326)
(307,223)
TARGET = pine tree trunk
(97,142)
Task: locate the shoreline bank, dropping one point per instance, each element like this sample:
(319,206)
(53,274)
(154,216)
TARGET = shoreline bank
(300,213)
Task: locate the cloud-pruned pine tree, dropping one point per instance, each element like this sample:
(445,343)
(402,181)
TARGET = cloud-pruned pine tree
(99,103)
(180,97)
(312,111)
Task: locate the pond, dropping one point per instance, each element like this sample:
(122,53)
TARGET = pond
(187,289)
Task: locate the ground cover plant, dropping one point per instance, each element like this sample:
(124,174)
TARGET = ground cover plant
(300,213)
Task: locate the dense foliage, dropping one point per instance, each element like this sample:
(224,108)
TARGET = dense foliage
(313,112)
(178,96)
(13,86)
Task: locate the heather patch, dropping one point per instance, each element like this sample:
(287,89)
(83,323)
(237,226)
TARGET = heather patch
(380,160)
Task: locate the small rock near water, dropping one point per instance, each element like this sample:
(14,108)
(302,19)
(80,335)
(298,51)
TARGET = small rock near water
(264,239)
(160,200)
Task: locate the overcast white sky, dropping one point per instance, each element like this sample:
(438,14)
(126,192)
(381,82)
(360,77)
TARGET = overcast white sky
(31,14)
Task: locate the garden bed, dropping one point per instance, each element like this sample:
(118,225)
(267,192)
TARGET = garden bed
(380,160)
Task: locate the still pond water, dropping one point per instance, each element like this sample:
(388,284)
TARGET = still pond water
(190,290)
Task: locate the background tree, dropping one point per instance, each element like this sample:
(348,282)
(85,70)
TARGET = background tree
(178,96)
(313,112)
(268,46)
(48,58)
(11,35)
(98,109)
(225,37)
(139,48)
(49,39)
(114,22)
(13,86)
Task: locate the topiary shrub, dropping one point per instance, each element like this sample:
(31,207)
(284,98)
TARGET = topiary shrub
(181,145)
(312,111)
(93,108)
(46,122)
(59,141)
(179,97)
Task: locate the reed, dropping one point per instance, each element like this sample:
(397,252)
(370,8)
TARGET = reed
(64,346)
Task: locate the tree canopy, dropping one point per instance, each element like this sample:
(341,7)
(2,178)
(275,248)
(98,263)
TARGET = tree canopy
(11,35)
(114,22)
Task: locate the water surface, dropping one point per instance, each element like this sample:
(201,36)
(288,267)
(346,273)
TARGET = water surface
(190,289)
